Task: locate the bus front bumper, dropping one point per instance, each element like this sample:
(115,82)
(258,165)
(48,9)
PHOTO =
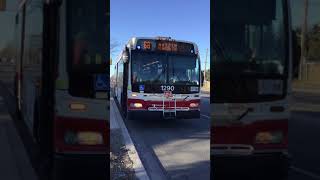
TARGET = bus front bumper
(85,165)
(143,114)
(259,163)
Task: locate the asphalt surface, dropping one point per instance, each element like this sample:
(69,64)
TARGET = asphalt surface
(304,139)
(14,161)
(174,149)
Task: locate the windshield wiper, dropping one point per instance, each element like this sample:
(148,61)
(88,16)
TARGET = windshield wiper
(221,50)
(244,114)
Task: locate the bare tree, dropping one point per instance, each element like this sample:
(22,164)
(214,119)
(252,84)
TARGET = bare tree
(113,46)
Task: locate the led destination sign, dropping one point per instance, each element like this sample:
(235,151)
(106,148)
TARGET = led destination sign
(165,46)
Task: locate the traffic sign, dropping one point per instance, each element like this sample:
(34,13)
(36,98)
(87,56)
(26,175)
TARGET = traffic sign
(101,83)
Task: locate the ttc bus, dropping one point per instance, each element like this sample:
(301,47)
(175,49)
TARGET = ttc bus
(60,81)
(251,85)
(158,77)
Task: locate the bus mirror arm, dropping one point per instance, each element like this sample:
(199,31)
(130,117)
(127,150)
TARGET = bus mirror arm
(125,56)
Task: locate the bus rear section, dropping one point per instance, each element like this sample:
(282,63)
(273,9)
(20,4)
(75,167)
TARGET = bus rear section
(61,83)
(250,87)
(81,119)
(158,78)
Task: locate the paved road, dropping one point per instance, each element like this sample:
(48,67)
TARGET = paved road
(177,149)
(304,142)
(14,161)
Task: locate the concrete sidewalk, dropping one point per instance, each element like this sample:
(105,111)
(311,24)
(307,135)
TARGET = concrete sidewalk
(306,90)
(14,162)
(301,86)
(117,123)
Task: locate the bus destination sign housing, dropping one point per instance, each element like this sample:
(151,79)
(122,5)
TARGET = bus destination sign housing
(169,46)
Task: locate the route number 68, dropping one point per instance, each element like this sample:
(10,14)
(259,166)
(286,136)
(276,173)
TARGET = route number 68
(167,88)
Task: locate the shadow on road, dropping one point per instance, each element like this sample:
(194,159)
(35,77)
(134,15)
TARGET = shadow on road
(181,146)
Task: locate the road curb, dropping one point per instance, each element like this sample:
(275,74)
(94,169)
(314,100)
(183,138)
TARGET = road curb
(140,171)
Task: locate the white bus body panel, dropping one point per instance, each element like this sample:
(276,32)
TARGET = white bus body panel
(261,112)
(95,108)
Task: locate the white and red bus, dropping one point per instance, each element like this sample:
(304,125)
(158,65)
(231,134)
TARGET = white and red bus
(158,77)
(251,83)
(61,79)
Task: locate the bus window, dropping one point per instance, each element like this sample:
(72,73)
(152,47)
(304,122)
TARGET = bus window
(183,69)
(148,68)
(87,34)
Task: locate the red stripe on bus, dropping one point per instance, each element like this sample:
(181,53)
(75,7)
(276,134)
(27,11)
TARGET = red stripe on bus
(147,104)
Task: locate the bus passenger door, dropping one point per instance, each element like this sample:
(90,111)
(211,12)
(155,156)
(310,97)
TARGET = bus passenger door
(46,95)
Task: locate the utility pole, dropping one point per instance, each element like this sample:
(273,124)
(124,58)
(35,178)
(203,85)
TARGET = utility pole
(304,28)
(205,66)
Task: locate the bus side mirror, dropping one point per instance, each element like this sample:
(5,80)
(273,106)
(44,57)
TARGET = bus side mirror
(296,53)
(202,78)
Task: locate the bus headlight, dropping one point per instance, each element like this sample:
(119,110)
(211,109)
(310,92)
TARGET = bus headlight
(89,138)
(136,105)
(83,138)
(269,137)
(194,105)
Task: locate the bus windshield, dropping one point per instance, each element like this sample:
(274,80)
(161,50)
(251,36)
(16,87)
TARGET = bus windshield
(87,34)
(252,43)
(162,68)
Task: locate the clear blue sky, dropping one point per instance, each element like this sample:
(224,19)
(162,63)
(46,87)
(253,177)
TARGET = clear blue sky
(179,19)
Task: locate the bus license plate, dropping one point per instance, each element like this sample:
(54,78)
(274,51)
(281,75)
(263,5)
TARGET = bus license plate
(101,82)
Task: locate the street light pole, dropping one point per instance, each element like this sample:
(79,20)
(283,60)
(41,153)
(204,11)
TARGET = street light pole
(205,66)
(302,67)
